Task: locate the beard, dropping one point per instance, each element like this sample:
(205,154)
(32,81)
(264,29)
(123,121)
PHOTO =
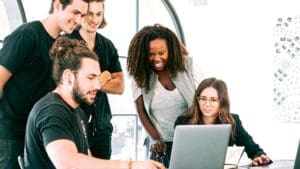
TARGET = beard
(79,95)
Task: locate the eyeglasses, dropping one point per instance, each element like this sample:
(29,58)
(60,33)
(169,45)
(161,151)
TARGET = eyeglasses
(211,101)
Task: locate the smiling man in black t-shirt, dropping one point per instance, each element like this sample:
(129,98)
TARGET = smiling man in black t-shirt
(25,72)
(111,79)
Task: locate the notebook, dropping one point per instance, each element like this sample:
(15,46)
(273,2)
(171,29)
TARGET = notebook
(233,156)
(199,146)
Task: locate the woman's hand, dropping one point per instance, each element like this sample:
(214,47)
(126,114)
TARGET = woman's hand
(261,160)
(159,148)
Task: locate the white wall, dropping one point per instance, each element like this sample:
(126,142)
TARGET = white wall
(233,40)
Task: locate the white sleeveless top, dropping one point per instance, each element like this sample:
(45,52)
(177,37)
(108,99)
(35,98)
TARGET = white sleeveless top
(165,107)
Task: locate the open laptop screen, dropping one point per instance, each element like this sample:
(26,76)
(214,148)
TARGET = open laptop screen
(297,159)
(199,146)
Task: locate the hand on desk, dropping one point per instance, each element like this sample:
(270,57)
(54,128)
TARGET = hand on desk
(261,160)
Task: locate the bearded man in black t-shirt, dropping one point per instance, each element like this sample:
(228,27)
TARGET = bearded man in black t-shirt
(56,134)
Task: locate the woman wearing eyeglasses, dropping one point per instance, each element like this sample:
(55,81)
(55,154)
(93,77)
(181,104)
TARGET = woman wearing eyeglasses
(211,105)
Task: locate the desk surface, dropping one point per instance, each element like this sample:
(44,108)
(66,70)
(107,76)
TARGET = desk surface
(277,164)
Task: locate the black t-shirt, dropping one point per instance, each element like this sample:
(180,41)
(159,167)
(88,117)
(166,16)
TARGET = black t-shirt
(52,119)
(109,60)
(25,53)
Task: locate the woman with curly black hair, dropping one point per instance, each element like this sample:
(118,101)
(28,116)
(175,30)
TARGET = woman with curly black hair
(163,84)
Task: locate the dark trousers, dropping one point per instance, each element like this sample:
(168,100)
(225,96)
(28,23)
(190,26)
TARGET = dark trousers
(9,151)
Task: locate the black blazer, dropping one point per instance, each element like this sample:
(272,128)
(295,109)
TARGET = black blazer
(242,138)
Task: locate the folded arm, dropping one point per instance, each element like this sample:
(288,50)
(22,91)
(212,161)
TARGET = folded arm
(112,82)
(5,74)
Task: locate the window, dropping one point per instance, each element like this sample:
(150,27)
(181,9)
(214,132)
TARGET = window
(124,19)
(4,24)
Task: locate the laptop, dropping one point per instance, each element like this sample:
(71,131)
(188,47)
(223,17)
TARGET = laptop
(297,159)
(200,146)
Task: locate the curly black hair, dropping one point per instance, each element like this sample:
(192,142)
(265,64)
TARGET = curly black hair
(137,61)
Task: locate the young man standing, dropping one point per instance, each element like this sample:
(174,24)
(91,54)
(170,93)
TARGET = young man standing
(111,79)
(25,72)
(56,129)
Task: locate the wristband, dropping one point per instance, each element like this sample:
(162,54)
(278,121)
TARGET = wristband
(130,164)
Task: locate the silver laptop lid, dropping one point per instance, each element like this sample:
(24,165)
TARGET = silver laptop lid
(297,159)
(200,146)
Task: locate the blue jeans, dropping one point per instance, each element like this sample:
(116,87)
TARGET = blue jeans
(9,151)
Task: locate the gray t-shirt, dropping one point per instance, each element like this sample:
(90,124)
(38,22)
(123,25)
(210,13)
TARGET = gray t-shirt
(165,107)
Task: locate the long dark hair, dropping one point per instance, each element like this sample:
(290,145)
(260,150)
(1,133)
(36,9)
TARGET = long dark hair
(194,114)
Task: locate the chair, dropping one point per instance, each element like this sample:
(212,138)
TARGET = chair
(21,162)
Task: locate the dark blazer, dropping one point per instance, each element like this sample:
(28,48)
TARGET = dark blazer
(242,138)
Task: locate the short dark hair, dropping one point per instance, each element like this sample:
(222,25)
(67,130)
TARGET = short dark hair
(67,53)
(64,3)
